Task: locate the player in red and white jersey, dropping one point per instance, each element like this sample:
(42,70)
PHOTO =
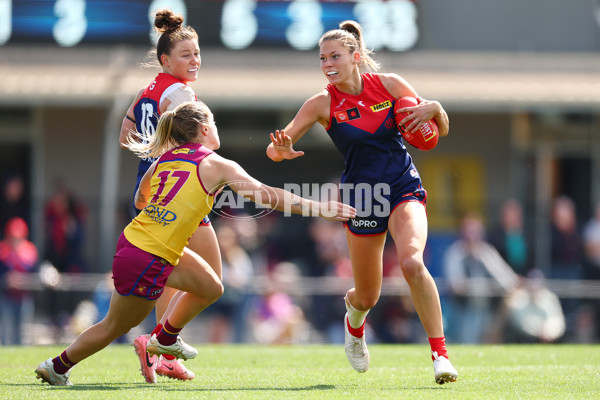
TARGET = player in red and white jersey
(178,53)
(357,110)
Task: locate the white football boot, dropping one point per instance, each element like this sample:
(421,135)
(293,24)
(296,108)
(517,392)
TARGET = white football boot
(45,372)
(356,349)
(444,371)
(179,349)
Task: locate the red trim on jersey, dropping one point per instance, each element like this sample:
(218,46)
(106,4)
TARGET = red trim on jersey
(157,87)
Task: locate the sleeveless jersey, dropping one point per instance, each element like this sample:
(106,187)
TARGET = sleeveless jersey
(363,129)
(147,111)
(178,202)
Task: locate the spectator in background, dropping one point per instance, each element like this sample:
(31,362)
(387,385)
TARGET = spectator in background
(277,318)
(65,234)
(64,220)
(18,258)
(332,259)
(510,239)
(13,202)
(533,312)
(567,246)
(232,308)
(470,263)
(566,255)
(591,243)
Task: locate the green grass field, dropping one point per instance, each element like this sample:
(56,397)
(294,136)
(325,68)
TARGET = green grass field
(318,372)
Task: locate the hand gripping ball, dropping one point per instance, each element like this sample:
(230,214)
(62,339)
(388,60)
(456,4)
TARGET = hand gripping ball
(428,134)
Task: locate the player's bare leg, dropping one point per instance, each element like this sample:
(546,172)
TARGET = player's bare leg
(366,253)
(408,228)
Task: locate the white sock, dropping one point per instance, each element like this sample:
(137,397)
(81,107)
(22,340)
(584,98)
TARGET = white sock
(355,318)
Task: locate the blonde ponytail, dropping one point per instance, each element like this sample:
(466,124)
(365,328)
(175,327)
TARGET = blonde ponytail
(174,128)
(350,36)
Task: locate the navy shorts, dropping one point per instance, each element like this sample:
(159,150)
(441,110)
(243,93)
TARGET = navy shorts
(373,219)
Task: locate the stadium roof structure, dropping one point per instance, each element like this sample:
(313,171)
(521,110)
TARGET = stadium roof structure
(286,78)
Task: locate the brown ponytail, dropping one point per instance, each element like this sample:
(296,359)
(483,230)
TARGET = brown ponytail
(171,29)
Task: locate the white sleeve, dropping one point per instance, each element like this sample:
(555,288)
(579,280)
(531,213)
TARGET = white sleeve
(180,95)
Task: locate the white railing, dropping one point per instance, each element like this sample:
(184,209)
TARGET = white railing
(49,279)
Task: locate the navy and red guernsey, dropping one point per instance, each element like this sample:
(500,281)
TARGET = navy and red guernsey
(147,111)
(364,130)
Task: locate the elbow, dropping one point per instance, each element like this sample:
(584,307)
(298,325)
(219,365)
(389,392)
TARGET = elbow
(139,203)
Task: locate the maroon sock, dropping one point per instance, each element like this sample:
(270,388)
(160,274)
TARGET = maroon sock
(169,357)
(62,363)
(438,345)
(156,330)
(168,334)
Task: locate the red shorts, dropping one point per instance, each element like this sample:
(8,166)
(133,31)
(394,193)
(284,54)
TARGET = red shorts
(138,272)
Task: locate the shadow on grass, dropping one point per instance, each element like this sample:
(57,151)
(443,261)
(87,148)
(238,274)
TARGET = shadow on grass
(136,386)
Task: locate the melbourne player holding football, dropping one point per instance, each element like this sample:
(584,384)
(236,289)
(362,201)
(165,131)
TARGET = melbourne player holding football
(357,110)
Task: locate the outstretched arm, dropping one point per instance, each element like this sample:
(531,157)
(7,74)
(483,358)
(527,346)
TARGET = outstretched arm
(232,174)
(315,109)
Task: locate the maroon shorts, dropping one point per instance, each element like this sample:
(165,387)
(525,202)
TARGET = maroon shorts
(138,272)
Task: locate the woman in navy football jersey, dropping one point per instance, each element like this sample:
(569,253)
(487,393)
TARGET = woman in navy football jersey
(380,181)
(178,54)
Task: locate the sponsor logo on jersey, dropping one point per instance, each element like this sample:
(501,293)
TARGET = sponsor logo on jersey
(381,106)
(341,102)
(347,115)
(353,113)
(341,116)
(159,214)
(184,151)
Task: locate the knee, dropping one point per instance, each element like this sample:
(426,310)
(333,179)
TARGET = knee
(217,291)
(113,329)
(213,292)
(365,301)
(412,268)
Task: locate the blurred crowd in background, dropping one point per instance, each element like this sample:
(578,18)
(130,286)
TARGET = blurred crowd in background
(490,290)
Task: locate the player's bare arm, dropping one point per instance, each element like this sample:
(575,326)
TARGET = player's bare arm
(177,97)
(315,109)
(220,171)
(420,114)
(128,124)
(141,195)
